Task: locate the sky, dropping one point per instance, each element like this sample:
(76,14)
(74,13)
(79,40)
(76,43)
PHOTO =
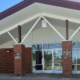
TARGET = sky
(74,0)
(5,4)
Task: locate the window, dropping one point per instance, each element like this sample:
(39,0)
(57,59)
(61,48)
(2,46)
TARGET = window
(58,60)
(37,49)
(76,56)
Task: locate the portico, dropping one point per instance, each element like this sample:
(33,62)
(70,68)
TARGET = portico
(42,50)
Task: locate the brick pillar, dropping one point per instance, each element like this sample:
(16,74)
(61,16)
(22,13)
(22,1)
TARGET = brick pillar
(67,58)
(28,60)
(19,60)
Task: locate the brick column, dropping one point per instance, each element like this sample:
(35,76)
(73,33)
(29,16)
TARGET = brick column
(67,58)
(28,60)
(19,60)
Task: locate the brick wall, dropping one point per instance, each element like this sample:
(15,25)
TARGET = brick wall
(19,63)
(67,61)
(6,61)
(28,60)
(24,64)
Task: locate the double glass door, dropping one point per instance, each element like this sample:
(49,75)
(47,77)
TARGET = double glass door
(52,60)
(48,60)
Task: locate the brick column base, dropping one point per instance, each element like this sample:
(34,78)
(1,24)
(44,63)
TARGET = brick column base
(19,61)
(67,58)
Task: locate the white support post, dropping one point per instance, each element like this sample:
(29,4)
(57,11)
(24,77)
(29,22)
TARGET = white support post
(31,29)
(12,37)
(74,33)
(53,28)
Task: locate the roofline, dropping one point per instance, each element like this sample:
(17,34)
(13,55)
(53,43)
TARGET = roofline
(25,3)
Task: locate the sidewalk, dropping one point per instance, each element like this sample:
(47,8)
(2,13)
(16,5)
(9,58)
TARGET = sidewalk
(38,77)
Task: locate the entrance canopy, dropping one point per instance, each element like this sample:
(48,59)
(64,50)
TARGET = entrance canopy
(27,16)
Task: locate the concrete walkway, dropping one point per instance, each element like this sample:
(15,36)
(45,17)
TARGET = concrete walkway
(38,77)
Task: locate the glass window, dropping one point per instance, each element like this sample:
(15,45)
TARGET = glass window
(78,44)
(74,45)
(74,67)
(34,57)
(58,55)
(37,47)
(57,67)
(78,67)
(58,60)
(47,60)
(37,54)
(45,46)
(52,46)
(74,56)
(58,45)
(78,56)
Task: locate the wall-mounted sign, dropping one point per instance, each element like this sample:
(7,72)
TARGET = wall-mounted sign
(67,53)
(17,55)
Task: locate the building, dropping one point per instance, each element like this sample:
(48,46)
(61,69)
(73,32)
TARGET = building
(48,38)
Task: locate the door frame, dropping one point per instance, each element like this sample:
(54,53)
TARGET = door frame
(48,71)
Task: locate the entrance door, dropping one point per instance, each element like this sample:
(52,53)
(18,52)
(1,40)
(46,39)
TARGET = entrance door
(52,60)
(48,61)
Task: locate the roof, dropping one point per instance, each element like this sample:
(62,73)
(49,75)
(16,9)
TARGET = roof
(27,12)
(72,4)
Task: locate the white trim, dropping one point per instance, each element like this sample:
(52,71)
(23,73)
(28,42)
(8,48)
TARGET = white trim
(42,57)
(48,71)
(53,28)
(76,72)
(74,33)
(53,60)
(31,29)
(66,40)
(20,23)
(13,38)
(37,15)
(59,17)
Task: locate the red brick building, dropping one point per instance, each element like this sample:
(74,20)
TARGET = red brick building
(40,36)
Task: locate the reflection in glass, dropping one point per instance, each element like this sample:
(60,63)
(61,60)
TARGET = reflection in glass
(47,60)
(58,60)
(37,47)
(34,58)
(52,46)
(45,46)
(74,56)
(58,67)
(78,44)
(74,67)
(74,45)
(58,45)
(78,67)
(34,49)
(78,56)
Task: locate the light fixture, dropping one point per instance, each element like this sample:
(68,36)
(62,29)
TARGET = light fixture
(8,51)
(44,24)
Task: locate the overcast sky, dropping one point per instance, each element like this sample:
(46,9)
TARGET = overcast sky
(5,4)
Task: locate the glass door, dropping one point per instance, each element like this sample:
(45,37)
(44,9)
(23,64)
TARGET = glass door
(57,60)
(47,60)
